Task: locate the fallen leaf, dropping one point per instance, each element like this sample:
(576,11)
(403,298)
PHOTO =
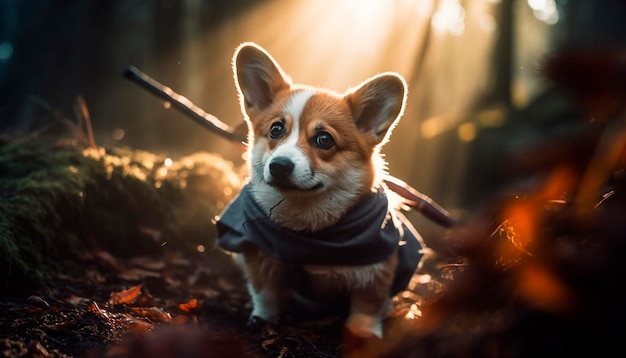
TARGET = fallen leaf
(125,296)
(153,313)
(190,306)
(76,300)
(140,326)
(145,300)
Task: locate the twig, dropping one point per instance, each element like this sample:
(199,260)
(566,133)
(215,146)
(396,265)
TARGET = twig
(83,117)
(73,127)
(182,104)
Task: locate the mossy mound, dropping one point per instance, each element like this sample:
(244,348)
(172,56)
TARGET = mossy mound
(59,199)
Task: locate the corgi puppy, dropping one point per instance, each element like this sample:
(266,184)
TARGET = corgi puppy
(314,224)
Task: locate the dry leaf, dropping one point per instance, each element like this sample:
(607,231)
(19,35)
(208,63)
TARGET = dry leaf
(190,306)
(153,313)
(140,326)
(126,296)
(76,300)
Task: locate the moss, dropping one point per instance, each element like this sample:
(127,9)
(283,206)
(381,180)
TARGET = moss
(58,200)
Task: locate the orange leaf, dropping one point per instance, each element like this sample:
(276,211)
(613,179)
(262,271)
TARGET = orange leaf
(189,306)
(126,296)
(153,313)
(140,326)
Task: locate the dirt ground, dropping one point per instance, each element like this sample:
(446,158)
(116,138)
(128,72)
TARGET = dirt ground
(190,304)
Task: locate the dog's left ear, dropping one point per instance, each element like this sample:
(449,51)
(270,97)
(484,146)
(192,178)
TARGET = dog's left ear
(377,104)
(258,77)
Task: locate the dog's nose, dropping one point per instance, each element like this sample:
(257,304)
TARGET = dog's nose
(281,167)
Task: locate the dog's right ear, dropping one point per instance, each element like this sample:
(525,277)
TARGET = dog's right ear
(258,78)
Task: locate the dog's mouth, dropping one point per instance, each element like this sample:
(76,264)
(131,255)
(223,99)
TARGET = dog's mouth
(287,185)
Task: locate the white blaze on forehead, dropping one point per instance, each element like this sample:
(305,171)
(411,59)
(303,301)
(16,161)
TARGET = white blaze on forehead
(297,102)
(301,174)
(294,107)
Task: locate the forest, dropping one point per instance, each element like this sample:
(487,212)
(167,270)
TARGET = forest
(109,189)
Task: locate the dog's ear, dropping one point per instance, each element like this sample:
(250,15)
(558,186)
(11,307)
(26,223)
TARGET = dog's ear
(377,104)
(258,77)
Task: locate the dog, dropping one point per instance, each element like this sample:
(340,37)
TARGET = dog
(314,225)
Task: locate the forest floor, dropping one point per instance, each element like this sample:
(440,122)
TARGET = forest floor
(173,304)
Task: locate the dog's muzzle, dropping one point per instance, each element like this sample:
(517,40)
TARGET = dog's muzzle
(281,169)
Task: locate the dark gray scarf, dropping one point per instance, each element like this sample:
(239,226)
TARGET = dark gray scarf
(365,235)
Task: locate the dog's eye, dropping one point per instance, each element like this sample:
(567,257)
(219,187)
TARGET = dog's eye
(324,140)
(277,130)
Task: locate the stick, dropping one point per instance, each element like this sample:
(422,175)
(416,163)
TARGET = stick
(182,104)
(415,199)
(419,201)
